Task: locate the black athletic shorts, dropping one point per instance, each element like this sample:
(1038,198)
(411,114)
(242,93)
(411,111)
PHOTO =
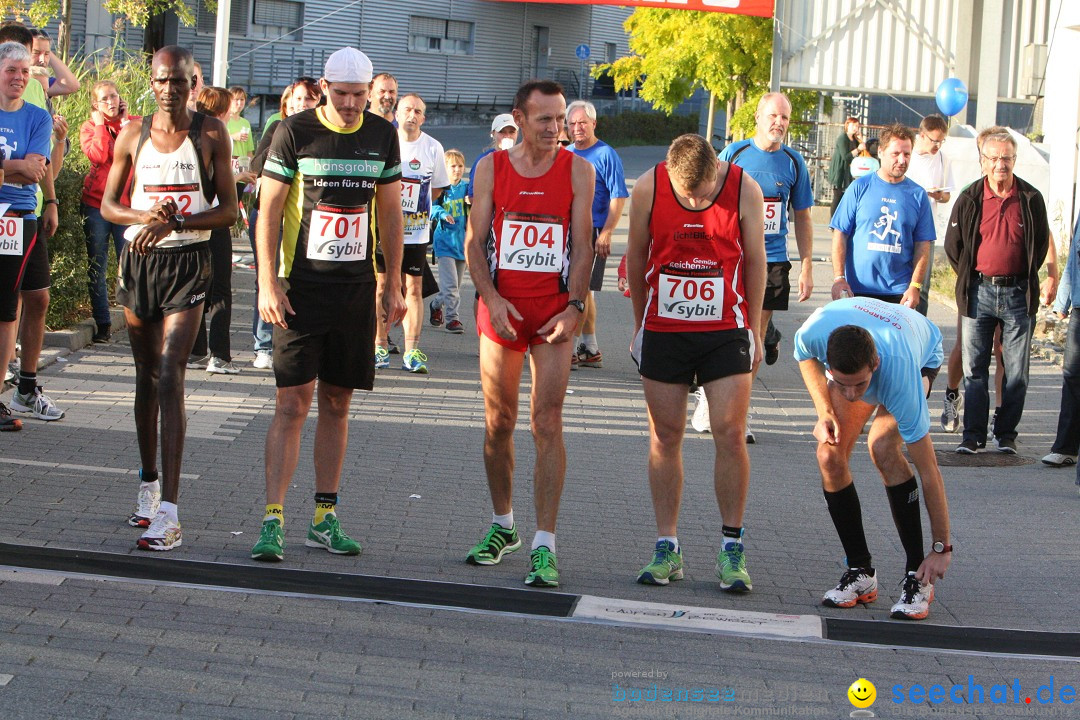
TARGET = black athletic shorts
(13,269)
(36,275)
(599,265)
(413,260)
(164,281)
(894,299)
(331,336)
(688,357)
(930,374)
(777,286)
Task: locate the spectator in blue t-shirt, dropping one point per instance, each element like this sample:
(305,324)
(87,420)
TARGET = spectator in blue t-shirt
(449,216)
(883,229)
(609,198)
(863,358)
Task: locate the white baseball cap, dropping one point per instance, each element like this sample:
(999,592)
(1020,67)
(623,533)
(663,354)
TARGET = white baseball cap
(348,65)
(502,121)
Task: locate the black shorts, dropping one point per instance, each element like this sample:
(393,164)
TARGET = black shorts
(331,336)
(36,275)
(777,286)
(894,299)
(413,260)
(599,265)
(164,281)
(12,271)
(688,357)
(930,374)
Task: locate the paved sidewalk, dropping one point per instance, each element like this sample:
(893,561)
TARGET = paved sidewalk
(84,648)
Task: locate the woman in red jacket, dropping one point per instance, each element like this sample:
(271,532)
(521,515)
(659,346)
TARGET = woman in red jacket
(97,136)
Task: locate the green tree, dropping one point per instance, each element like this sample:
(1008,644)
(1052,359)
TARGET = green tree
(677,51)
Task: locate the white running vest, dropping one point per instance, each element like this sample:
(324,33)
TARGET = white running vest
(173,175)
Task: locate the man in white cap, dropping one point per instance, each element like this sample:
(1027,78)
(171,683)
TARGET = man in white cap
(504,133)
(326,165)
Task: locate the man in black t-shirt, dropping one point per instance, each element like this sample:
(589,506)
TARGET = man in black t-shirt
(324,168)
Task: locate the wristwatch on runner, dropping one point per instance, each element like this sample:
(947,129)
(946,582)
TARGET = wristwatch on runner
(941,548)
(577,305)
(178,218)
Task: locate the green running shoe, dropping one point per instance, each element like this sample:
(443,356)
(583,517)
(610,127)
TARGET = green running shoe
(545,570)
(498,542)
(666,565)
(329,535)
(731,569)
(271,545)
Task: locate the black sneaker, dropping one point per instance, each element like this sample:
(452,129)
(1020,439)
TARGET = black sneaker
(772,350)
(102,334)
(435,316)
(1006,445)
(392,347)
(967,447)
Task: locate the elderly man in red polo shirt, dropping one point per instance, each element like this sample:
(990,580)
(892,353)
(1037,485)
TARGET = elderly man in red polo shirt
(996,241)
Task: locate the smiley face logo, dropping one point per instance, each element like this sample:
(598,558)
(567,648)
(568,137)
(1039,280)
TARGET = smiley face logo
(862,693)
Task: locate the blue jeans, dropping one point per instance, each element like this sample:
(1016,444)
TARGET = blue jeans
(262,331)
(97,231)
(1067,440)
(995,306)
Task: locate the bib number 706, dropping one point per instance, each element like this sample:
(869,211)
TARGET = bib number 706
(696,299)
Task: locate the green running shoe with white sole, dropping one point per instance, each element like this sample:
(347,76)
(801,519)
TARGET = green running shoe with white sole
(329,536)
(545,569)
(497,542)
(271,545)
(731,569)
(667,564)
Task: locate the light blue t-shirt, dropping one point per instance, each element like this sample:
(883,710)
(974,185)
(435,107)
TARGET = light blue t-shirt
(883,221)
(610,179)
(783,178)
(906,343)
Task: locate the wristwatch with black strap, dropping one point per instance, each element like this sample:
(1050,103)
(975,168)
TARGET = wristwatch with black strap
(577,305)
(941,548)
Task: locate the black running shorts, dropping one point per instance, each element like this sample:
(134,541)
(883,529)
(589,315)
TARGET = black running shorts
(331,336)
(777,286)
(413,260)
(164,281)
(13,267)
(686,358)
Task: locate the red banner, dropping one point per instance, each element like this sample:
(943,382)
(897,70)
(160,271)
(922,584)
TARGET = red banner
(761,8)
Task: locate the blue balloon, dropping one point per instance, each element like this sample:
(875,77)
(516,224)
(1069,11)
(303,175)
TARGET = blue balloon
(951,96)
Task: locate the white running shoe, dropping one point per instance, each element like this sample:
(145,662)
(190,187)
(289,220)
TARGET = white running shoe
(264,360)
(1059,460)
(700,420)
(915,599)
(163,534)
(195,363)
(950,415)
(217,366)
(37,404)
(855,587)
(147,505)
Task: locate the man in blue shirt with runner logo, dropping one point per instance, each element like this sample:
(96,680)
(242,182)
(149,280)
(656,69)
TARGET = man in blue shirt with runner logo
(857,356)
(883,229)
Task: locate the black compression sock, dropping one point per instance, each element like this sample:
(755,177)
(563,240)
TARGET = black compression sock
(27,383)
(846,513)
(904,501)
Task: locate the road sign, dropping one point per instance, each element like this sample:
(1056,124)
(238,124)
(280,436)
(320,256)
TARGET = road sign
(582,52)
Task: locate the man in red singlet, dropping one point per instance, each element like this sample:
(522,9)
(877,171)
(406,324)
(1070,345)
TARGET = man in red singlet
(529,254)
(696,265)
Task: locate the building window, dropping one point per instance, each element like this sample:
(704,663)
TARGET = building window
(435,35)
(610,52)
(274,19)
(206,21)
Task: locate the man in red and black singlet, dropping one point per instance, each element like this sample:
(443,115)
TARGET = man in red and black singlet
(696,265)
(529,255)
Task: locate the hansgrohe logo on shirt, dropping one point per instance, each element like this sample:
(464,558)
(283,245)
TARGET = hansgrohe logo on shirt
(335,166)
